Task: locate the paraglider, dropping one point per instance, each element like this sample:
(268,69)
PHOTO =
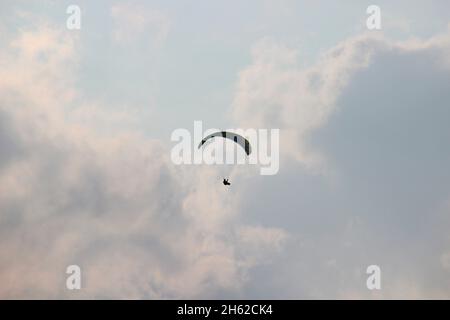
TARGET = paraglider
(240,140)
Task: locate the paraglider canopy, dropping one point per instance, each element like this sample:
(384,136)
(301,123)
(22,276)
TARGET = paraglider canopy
(240,140)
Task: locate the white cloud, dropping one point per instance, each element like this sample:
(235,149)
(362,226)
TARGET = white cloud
(112,202)
(275,92)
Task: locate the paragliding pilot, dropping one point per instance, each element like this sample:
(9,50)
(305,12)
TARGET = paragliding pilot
(225,182)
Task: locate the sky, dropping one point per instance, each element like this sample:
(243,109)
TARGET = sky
(86,176)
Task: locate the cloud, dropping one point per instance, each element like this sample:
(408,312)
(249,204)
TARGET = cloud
(363,179)
(109,201)
(273,91)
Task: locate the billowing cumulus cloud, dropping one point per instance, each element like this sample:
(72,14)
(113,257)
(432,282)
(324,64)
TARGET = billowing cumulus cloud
(72,192)
(275,91)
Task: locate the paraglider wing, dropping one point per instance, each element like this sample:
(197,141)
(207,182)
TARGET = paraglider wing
(240,140)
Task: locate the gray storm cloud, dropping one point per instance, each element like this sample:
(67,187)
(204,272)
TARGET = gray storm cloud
(365,176)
